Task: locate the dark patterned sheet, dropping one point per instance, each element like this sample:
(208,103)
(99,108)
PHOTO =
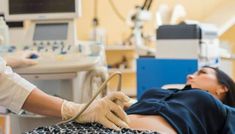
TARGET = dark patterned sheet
(89,128)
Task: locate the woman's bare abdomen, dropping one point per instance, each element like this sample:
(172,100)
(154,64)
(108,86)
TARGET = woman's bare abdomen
(150,122)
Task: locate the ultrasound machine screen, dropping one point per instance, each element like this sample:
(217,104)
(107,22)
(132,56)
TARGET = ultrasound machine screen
(52,31)
(40,6)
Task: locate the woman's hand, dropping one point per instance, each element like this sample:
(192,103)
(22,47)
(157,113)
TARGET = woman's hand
(104,111)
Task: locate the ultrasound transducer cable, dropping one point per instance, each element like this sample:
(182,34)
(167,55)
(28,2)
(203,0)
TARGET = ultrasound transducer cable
(102,87)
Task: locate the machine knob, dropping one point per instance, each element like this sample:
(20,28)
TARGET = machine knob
(12,49)
(40,48)
(54,48)
(33,56)
(48,43)
(69,47)
(63,52)
(26,48)
(62,43)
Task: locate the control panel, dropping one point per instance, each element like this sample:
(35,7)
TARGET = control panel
(53,48)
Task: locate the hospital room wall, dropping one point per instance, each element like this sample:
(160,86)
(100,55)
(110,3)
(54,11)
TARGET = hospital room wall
(229,38)
(118,30)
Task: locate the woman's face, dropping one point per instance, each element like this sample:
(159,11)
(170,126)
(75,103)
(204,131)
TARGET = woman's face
(204,79)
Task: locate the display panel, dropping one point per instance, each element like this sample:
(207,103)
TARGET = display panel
(41,6)
(19,10)
(51,31)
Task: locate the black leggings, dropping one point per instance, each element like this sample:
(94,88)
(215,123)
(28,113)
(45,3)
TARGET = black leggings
(89,128)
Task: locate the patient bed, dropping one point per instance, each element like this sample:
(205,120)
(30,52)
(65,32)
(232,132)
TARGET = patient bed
(89,128)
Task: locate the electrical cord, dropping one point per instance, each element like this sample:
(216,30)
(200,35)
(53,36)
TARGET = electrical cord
(116,11)
(102,87)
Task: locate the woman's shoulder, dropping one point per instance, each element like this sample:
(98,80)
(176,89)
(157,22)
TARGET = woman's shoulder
(203,98)
(198,94)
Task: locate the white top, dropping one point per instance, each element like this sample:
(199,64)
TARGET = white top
(13,89)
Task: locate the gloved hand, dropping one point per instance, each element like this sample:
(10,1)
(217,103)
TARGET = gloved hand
(104,111)
(129,103)
(19,59)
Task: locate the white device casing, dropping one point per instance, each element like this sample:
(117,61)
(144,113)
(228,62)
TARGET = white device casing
(4,32)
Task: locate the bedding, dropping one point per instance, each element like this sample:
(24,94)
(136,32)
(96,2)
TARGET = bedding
(88,128)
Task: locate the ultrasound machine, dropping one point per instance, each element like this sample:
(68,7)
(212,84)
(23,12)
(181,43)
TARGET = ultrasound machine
(65,63)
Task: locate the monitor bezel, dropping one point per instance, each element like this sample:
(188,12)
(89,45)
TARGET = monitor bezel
(43,16)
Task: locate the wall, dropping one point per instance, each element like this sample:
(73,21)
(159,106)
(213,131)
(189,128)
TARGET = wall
(228,37)
(118,30)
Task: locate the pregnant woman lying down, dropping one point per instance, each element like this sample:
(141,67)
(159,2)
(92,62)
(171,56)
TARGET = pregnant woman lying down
(204,106)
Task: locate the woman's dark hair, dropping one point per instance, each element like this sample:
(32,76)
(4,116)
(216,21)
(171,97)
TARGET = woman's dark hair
(225,80)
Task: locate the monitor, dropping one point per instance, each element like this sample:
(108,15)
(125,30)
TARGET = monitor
(42,9)
(57,31)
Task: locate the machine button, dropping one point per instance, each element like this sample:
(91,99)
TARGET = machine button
(11,49)
(54,48)
(40,48)
(63,52)
(34,43)
(69,47)
(62,42)
(26,48)
(33,56)
(48,43)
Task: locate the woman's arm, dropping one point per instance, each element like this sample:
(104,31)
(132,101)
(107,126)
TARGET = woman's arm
(110,114)
(42,103)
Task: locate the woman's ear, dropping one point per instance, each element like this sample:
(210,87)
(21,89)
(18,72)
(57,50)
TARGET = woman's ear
(225,88)
(222,89)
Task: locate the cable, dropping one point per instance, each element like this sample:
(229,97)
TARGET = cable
(102,87)
(95,8)
(150,3)
(95,18)
(116,11)
(146,5)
